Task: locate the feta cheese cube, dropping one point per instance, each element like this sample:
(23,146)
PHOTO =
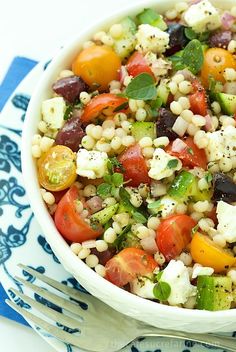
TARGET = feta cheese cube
(151,38)
(199,270)
(163,165)
(177,276)
(221,144)
(91,164)
(226,215)
(143,287)
(202,17)
(53,111)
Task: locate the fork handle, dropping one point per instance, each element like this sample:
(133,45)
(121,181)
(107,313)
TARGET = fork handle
(228,343)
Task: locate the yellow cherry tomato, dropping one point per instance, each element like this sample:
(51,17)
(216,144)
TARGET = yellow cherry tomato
(57,168)
(205,252)
(98,65)
(216,60)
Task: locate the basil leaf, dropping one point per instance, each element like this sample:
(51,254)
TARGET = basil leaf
(172,163)
(140,218)
(162,291)
(121,107)
(154,205)
(193,56)
(142,87)
(117,179)
(103,190)
(189,33)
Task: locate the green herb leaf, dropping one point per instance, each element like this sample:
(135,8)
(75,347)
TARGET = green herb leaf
(103,190)
(121,107)
(190,151)
(193,56)
(119,242)
(140,218)
(154,205)
(177,61)
(113,163)
(159,275)
(195,229)
(172,163)
(124,195)
(162,291)
(189,33)
(142,87)
(68,113)
(208,177)
(107,178)
(117,179)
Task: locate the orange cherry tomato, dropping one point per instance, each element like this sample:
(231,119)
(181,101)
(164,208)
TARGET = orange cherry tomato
(137,64)
(57,168)
(134,164)
(191,156)
(205,252)
(128,264)
(98,66)
(174,234)
(216,60)
(69,221)
(102,102)
(198,100)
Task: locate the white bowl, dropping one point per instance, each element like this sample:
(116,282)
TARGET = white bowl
(147,311)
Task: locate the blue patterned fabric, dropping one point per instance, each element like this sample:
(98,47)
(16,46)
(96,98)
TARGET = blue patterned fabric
(18,69)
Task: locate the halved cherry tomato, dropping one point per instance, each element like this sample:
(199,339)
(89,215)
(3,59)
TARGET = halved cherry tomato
(98,66)
(57,168)
(128,264)
(135,168)
(216,60)
(174,234)
(101,102)
(137,64)
(205,252)
(69,221)
(198,100)
(191,156)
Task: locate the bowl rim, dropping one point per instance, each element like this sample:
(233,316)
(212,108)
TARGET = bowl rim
(69,260)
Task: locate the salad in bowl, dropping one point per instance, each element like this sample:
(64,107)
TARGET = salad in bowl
(136,155)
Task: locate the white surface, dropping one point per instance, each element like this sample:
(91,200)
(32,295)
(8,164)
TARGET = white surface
(36,29)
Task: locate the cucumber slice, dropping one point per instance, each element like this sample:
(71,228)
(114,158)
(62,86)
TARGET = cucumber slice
(214,292)
(126,44)
(164,206)
(182,186)
(149,16)
(227,102)
(143,129)
(103,216)
(163,91)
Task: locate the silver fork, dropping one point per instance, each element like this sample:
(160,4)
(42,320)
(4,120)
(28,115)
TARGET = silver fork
(113,329)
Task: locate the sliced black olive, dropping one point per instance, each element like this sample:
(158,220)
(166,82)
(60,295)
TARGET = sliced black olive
(224,188)
(165,123)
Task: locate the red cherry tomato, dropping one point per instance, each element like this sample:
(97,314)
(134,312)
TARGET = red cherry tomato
(174,234)
(191,156)
(127,265)
(137,64)
(101,102)
(135,168)
(198,100)
(69,222)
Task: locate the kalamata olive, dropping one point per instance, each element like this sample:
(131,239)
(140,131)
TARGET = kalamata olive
(164,124)
(178,40)
(220,39)
(71,134)
(224,188)
(70,88)
(105,255)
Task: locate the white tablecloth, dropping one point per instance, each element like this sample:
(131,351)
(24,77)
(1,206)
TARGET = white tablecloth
(36,29)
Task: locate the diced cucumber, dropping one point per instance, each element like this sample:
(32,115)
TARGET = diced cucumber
(163,91)
(126,44)
(103,216)
(143,129)
(214,292)
(182,186)
(164,206)
(149,16)
(227,103)
(185,186)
